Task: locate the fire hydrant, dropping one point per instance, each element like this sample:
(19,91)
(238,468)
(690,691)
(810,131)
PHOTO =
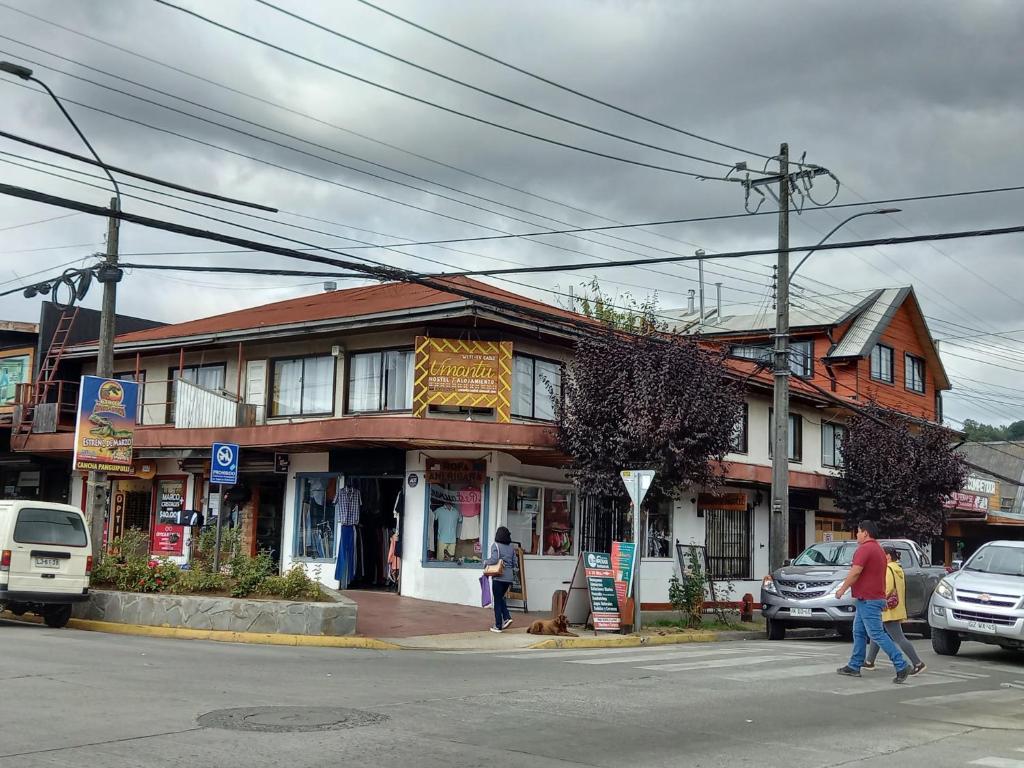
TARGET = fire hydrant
(747,608)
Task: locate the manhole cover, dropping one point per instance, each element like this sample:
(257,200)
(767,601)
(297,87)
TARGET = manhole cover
(289,719)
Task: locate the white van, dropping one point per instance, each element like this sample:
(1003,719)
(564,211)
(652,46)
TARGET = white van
(45,559)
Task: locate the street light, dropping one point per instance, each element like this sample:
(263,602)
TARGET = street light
(109,274)
(26,74)
(837,227)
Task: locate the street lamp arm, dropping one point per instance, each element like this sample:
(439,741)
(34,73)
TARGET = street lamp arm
(117,189)
(836,228)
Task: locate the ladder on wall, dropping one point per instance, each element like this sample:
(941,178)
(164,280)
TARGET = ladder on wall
(46,376)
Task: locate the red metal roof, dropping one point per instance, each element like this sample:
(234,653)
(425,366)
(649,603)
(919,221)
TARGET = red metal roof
(351,302)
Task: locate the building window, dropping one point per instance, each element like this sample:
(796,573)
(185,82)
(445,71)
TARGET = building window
(832,437)
(801,356)
(1006,503)
(141,379)
(302,386)
(729,544)
(209,377)
(914,373)
(536,386)
(542,520)
(796,435)
(741,431)
(881,363)
(380,381)
(455,521)
(659,530)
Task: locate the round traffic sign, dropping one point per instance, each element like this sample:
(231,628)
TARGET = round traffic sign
(224,456)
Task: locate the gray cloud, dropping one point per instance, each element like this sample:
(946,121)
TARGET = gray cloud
(899,99)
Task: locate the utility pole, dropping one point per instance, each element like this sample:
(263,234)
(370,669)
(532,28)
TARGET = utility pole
(778,525)
(109,274)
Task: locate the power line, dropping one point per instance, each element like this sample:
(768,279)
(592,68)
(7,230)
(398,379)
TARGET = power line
(486,92)
(563,87)
(39,221)
(427,102)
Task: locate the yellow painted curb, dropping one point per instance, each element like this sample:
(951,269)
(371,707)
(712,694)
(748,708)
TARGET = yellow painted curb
(221,636)
(624,641)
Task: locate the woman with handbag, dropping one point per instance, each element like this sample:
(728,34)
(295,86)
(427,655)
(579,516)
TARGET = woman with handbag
(499,567)
(895,614)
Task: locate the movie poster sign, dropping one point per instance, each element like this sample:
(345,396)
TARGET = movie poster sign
(105,427)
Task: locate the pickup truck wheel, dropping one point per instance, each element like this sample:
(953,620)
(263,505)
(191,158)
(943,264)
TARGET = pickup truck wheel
(776,631)
(57,616)
(944,642)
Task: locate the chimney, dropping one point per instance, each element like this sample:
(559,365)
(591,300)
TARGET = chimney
(690,308)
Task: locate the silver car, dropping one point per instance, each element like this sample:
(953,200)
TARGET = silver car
(983,601)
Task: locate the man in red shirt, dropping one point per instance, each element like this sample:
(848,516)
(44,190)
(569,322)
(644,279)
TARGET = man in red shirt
(867,579)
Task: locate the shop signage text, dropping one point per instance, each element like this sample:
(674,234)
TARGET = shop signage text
(105,427)
(168,539)
(476,374)
(623,558)
(455,471)
(604,599)
(977,484)
(968,501)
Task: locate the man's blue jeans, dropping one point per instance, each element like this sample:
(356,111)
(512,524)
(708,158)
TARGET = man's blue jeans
(868,623)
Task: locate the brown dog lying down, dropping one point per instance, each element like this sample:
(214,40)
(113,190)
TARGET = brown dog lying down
(559,626)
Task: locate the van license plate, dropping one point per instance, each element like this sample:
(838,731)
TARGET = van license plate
(982,626)
(47,562)
(799,611)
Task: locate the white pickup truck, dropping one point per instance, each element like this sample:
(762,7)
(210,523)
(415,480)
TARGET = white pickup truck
(803,592)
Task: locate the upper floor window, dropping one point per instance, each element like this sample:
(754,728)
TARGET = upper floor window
(796,435)
(914,367)
(380,381)
(832,436)
(741,431)
(140,378)
(881,363)
(303,386)
(801,356)
(536,386)
(211,377)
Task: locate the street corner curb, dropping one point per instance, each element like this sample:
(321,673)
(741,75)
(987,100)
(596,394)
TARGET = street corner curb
(220,636)
(624,641)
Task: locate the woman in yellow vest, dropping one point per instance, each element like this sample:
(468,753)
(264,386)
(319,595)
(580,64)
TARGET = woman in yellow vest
(893,618)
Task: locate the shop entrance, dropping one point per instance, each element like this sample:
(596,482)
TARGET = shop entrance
(131,507)
(268,504)
(380,513)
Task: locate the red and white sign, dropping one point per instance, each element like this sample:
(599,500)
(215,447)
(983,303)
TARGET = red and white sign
(168,539)
(967,501)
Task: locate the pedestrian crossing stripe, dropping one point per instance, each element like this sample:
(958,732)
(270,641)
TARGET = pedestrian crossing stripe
(713,664)
(999,762)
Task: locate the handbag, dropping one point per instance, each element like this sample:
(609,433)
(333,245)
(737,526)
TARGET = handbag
(892,600)
(485,592)
(498,568)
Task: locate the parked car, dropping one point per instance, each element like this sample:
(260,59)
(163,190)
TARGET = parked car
(803,592)
(983,601)
(45,559)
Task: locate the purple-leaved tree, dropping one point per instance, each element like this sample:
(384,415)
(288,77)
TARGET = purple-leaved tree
(646,400)
(897,474)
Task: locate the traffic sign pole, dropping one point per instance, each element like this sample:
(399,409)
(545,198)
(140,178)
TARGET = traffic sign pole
(220,517)
(638,482)
(224,461)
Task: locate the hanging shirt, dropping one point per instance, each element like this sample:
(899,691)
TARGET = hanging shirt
(447,518)
(347,506)
(469,502)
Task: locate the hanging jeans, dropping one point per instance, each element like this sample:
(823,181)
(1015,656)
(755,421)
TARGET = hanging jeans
(498,590)
(345,567)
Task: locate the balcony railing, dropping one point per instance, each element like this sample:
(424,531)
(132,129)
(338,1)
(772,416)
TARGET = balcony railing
(197,408)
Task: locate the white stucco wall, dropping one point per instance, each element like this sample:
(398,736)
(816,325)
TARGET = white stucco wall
(317,569)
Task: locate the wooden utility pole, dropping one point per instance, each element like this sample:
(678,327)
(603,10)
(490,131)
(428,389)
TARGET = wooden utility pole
(778,527)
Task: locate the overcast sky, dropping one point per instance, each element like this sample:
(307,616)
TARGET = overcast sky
(897,99)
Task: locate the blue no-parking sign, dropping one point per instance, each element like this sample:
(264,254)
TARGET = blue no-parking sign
(224,463)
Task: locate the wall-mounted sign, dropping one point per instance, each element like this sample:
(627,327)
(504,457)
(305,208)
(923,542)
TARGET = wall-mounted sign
(282,462)
(455,471)
(476,374)
(15,369)
(414,480)
(977,484)
(170,500)
(168,539)
(105,428)
(736,502)
(968,501)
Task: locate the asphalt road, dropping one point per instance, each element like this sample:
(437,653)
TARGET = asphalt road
(72,698)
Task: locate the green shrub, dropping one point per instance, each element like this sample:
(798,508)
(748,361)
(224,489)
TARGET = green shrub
(248,573)
(196,581)
(687,595)
(294,585)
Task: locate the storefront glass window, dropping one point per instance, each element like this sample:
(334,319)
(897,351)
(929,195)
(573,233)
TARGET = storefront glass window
(455,523)
(315,527)
(541,519)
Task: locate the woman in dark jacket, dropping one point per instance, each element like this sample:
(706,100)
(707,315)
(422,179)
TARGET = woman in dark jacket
(502,550)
